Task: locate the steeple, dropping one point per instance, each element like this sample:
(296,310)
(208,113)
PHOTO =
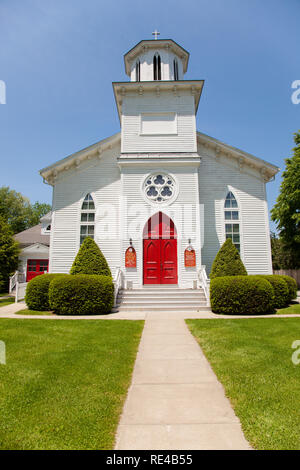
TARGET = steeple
(156,59)
(157,107)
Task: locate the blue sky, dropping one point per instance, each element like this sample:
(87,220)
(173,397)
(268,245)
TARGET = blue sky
(59,57)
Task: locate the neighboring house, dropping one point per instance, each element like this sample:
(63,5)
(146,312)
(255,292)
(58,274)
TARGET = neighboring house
(159,198)
(34,257)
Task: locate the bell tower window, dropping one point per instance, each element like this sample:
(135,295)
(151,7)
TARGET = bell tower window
(138,71)
(156,67)
(175,63)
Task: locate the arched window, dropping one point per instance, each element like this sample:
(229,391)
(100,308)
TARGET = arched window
(87,218)
(138,71)
(232,220)
(175,63)
(156,67)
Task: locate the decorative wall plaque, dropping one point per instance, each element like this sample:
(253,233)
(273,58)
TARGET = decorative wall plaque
(189,257)
(130,257)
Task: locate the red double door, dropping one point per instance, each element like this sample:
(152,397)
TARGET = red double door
(160,251)
(36,267)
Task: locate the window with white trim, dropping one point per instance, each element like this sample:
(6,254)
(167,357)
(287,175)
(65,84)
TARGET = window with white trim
(87,218)
(232,220)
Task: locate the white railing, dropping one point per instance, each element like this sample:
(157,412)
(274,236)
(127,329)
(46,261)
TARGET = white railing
(204,282)
(20,291)
(118,284)
(15,279)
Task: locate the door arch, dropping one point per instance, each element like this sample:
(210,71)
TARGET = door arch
(160,250)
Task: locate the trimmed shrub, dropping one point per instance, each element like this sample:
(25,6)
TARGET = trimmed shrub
(241,295)
(90,260)
(82,294)
(292,286)
(37,291)
(281,290)
(227,262)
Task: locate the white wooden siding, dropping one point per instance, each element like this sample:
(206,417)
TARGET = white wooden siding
(207,185)
(216,177)
(187,179)
(183,106)
(102,180)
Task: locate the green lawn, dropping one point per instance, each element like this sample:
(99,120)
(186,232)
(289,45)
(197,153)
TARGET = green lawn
(252,359)
(292,309)
(26,311)
(4,302)
(64,382)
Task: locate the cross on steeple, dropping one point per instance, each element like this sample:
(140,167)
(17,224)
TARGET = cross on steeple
(155,34)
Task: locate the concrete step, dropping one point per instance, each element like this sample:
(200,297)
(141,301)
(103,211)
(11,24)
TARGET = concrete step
(168,290)
(158,308)
(161,297)
(164,302)
(129,293)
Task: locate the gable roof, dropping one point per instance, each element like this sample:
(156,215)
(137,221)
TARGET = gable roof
(95,150)
(49,172)
(36,248)
(268,169)
(32,235)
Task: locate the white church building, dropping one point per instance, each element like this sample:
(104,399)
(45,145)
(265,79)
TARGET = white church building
(160,197)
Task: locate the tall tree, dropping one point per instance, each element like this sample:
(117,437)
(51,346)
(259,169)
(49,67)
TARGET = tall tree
(9,252)
(283,257)
(38,210)
(17,211)
(286,212)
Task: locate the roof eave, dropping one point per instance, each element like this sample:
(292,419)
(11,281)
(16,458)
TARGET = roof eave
(196,87)
(77,157)
(267,169)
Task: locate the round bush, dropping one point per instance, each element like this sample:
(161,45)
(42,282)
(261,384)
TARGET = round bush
(292,286)
(37,292)
(241,295)
(82,294)
(281,290)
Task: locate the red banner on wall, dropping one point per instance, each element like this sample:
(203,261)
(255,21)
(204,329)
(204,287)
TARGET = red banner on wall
(130,258)
(189,258)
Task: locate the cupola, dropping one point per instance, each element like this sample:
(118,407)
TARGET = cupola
(156,60)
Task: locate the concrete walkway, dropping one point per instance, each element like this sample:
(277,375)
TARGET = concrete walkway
(10,311)
(175,400)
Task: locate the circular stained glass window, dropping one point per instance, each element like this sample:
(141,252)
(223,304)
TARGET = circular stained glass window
(159,188)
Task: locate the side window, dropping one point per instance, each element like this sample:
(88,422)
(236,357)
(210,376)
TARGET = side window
(87,218)
(232,220)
